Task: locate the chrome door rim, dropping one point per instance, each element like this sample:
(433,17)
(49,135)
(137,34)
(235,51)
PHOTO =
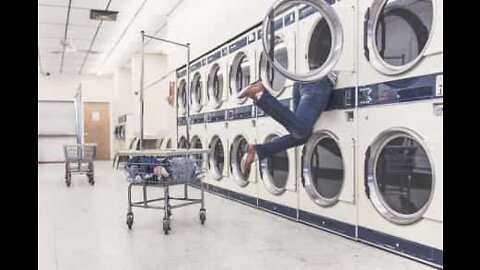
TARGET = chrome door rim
(376,60)
(265,174)
(375,197)
(211,159)
(307,170)
(234,161)
(336,31)
(215,69)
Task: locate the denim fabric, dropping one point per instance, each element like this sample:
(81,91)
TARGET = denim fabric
(309,101)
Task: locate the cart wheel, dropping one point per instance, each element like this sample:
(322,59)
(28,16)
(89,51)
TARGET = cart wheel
(91,180)
(166,225)
(130,220)
(68,180)
(203,216)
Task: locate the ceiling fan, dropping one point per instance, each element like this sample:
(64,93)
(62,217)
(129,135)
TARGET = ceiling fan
(68,47)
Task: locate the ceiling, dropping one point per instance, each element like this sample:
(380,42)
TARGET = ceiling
(94,46)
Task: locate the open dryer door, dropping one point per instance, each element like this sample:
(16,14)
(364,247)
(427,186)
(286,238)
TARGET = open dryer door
(327,37)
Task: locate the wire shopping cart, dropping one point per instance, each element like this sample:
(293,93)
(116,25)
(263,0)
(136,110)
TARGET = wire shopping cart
(162,169)
(79,160)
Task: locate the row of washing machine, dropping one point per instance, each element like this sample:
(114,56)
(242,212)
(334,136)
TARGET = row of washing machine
(373,168)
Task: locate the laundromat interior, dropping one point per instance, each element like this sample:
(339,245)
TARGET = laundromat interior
(240,134)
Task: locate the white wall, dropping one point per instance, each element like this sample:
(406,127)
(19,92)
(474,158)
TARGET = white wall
(64,86)
(206,24)
(159,117)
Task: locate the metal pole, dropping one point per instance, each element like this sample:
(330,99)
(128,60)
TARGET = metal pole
(141,90)
(188,96)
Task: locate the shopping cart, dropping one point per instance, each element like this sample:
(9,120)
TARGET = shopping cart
(79,160)
(162,169)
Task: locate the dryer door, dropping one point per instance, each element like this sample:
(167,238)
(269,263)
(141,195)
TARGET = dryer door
(215,86)
(397,33)
(399,175)
(325,41)
(216,158)
(182,96)
(196,94)
(276,170)
(241,72)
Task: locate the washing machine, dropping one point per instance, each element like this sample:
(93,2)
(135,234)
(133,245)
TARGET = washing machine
(325,41)
(278,185)
(241,61)
(198,132)
(400,127)
(241,186)
(217,140)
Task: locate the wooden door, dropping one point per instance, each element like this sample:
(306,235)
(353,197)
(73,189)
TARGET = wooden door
(97,127)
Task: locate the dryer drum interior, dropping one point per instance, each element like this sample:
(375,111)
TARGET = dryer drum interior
(273,80)
(399,33)
(322,42)
(182,142)
(400,176)
(275,170)
(239,73)
(237,151)
(196,94)
(215,85)
(216,158)
(323,169)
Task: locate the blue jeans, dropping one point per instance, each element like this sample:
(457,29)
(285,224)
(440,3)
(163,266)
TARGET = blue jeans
(310,100)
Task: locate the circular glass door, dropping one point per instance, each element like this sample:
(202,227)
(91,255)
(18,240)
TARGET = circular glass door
(273,80)
(400,176)
(237,151)
(182,94)
(323,45)
(239,74)
(323,168)
(196,94)
(398,33)
(182,142)
(215,86)
(197,144)
(275,170)
(216,158)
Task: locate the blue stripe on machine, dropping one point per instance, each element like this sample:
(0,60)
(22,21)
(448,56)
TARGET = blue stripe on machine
(197,118)
(342,99)
(238,45)
(218,116)
(239,113)
(327,223)
(397,91)
(214,56)
(278,208)
(416,250)
(242,197)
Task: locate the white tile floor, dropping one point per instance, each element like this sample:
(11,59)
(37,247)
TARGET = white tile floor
(83,227)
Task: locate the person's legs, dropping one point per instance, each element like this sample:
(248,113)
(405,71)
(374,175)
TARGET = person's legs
(310,100)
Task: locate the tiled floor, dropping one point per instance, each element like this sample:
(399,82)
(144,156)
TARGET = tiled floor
(83,227)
